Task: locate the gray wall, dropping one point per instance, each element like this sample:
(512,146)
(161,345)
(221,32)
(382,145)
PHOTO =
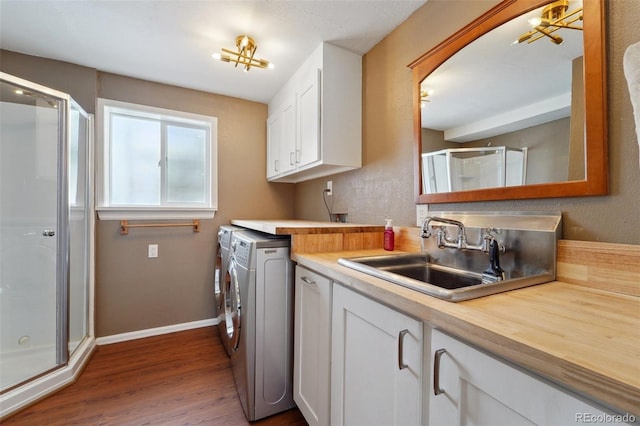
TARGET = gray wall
(385,184)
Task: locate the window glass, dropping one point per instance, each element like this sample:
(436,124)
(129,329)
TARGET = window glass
(186,164)
(135,161)
(155,163)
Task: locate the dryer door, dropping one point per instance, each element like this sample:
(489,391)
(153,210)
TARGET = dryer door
(218,283)
(232,304)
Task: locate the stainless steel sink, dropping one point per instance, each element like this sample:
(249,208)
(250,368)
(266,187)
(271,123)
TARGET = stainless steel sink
(416,272)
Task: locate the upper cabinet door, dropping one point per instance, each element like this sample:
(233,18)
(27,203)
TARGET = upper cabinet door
(281,138)
(308,150)
(274,135)
(288,139)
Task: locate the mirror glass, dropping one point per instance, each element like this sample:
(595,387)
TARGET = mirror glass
(501,106)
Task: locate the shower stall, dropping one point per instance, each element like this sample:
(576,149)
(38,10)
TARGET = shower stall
(464,169)
(46,228)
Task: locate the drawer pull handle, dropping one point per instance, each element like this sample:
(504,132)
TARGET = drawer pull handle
(308,280)
(436,372)
(401,364)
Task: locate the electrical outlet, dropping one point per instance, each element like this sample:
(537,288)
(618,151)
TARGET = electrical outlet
(329,187)
(152,251)
(422,211)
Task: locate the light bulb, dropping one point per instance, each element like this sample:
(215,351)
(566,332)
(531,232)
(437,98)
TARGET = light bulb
(534,22)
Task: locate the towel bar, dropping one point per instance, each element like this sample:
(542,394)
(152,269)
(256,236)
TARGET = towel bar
(125,225)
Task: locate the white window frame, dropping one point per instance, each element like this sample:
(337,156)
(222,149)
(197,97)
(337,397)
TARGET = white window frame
(107,211)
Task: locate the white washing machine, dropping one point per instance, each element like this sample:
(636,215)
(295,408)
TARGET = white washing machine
(221,265)
(259,317)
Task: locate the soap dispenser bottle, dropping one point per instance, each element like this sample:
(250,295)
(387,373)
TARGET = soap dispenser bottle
(389,237)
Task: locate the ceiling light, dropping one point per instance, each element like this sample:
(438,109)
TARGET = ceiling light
(553,17)
(424,97)
(244,56)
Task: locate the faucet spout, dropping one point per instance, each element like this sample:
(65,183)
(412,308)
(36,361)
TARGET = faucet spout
(426,232)
(443,241)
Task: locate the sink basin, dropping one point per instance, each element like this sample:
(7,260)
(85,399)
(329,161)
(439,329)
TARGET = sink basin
(414,271)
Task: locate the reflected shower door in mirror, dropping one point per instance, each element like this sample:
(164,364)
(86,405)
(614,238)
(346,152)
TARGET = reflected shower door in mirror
(501,110)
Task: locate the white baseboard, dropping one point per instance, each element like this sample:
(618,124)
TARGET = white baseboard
(140,334)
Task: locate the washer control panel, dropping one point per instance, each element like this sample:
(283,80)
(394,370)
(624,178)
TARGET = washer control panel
(242,250)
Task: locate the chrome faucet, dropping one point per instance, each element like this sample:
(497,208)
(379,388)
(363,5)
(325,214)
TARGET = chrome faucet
(441,236)
(489,245)
(460,242)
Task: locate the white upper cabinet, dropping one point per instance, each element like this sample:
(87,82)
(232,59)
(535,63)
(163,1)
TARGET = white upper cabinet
(314,127)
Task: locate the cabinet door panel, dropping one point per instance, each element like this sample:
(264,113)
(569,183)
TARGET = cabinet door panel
(312,346)
(368,387)
(482,390)
(288,139)
(309,120)
(274,137)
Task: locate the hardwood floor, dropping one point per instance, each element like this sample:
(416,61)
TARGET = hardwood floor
(182,378)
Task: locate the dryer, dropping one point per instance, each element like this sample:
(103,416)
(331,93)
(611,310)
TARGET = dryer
(259,317)
(221,266)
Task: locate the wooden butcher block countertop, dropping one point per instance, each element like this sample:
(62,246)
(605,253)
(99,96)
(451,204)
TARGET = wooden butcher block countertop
(586,339)
(295,227)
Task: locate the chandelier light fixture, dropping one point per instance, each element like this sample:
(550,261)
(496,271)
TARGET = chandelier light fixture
(424,97)
(554,17)
(244,56)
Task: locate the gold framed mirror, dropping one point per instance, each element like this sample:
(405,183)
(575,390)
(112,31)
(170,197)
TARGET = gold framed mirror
(566,156)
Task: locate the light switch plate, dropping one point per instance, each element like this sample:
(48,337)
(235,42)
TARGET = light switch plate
(152,251)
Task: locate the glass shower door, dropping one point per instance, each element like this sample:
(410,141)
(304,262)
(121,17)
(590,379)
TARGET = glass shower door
(32,232)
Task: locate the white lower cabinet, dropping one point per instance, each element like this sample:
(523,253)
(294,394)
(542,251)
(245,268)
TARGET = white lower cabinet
(477,389)
(359,362)
(376,363)
(312,346)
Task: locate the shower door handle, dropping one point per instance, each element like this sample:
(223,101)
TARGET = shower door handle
(48,233)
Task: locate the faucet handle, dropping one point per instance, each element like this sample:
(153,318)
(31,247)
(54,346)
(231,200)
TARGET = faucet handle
(489,236)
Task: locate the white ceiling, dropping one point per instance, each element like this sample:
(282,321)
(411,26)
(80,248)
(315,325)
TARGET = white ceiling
(171,41)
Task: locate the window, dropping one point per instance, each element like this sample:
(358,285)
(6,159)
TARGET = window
(155,163)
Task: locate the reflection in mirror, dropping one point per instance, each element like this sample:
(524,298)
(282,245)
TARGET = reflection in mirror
(501,109)
(502,112)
